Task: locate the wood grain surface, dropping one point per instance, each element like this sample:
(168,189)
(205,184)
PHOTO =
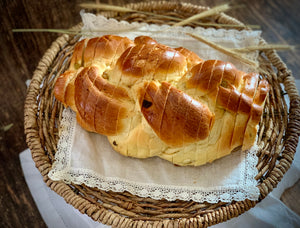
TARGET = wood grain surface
(21,52)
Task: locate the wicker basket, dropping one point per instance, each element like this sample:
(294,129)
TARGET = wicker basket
(278,133)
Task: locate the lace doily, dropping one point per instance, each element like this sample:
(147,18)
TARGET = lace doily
(87,158)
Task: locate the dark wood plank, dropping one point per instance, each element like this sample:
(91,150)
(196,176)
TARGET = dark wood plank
(280,24)
(20,53)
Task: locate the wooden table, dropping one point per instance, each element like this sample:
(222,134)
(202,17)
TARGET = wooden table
(20,53)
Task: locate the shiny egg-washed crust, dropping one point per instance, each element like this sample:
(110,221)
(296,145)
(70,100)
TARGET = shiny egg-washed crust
(154,100)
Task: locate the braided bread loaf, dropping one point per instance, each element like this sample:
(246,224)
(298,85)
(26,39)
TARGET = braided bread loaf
(153,100)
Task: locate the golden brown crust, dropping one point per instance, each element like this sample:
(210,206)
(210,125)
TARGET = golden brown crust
(153,100)
(191,57)
(61,84)
(137,63)
(209,75)
(190,120)
(249,87)
(77,57)
(259,99)
(90,49)
(141,40)
(110,48)
(99,103)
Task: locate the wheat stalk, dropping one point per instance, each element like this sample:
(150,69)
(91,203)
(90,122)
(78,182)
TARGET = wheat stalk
(279,47)
(107,7)
(224,50)
(210,12)
(64,31)
(71,31)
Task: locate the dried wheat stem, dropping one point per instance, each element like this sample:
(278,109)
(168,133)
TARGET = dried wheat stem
(265,47)
(207,13)
(73,32)
(226,25)
(226,51)
(106,7)
(64,31)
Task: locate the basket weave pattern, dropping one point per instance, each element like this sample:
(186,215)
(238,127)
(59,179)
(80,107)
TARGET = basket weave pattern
(277,137)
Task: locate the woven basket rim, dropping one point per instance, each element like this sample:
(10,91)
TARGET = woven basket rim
(112,218)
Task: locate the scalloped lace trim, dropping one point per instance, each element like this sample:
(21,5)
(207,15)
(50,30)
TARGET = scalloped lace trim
(62,170)
(98,24)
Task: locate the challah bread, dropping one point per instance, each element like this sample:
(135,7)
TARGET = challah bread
(153,100)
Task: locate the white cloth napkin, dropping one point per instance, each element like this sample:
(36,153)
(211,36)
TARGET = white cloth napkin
(270,212)
(88,158)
